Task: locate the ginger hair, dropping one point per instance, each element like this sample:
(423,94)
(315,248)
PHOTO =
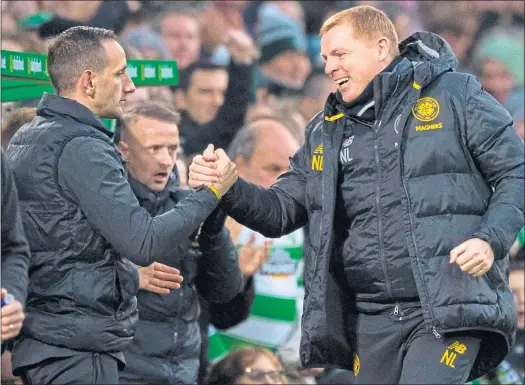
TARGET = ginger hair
(368,23)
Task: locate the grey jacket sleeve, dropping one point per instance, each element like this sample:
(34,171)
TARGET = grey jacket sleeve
(498,153)
(91,174)
(15,248)
(219,278)
(272,212)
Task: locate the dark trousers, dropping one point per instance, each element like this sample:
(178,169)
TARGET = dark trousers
(397,349)
(85,368)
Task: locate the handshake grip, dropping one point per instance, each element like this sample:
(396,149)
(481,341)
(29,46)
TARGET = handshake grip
(213,169)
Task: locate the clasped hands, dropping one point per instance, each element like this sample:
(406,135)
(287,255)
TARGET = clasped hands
(212,168)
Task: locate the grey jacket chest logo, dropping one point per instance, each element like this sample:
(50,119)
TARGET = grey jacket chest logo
(344,155)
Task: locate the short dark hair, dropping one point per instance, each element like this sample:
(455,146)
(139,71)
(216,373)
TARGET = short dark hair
(186,74)
(15,119)
(149,110)
(74,51)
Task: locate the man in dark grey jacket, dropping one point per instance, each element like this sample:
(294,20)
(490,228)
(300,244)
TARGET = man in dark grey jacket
(83,222)
(411,180)
(167,344)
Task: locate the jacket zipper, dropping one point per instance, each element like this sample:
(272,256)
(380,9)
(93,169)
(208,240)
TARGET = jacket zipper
(409,204)
(378,201)
(378,210)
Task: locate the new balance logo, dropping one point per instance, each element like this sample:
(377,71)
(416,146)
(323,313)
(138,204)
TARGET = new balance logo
(344,155)
(348,142)
(451,353)
(317,159)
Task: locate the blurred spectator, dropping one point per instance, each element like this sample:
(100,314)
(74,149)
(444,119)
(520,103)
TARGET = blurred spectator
(283,62)
(219,19)
(207,259)
(8,20)
(499,62)
(258,110)
(400,15)
(22,42)
(13,121)
(180,31)
(247,366)
(515,104)
(293,9)
(491,14)
(148,43)
(261,151)
(213,99)
(287,110)
(106,14)
(316,89)
(455,23)
(20,9)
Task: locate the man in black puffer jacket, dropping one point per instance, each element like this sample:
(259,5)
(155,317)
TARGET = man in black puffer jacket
(167,344)
(83,223)
(412,182)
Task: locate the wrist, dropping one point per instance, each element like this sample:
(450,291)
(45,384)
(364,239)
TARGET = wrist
(216,191)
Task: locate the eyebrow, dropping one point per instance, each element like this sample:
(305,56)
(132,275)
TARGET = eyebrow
(334,51)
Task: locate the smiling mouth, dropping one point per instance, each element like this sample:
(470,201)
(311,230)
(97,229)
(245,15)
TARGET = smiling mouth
(342,81)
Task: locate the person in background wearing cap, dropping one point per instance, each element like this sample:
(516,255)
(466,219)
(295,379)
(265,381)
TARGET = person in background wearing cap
(499,62)
(411,182)
(283,62)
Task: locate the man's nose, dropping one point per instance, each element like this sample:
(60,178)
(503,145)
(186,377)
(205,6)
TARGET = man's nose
(218,99)
(165,158)
(330,67)
(129,86)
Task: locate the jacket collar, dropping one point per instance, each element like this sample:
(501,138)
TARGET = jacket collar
(53,105)
(151,199)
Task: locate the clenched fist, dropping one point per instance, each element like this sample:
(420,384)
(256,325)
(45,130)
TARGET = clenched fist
(474,257)
(213,168)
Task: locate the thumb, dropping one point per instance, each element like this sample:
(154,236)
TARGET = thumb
(457,251)
(221,154)
(4,292)
(209,153)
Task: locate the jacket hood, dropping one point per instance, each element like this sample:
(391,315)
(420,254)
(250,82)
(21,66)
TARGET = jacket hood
(423,54)
(431,56)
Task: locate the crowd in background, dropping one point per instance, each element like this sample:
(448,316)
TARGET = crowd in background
(240,61)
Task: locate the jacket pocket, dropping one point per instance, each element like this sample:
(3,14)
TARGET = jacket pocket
(94,287)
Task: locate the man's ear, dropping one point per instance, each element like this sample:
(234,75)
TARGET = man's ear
(383,46)
(88,82)
(180,100)
(124,149)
